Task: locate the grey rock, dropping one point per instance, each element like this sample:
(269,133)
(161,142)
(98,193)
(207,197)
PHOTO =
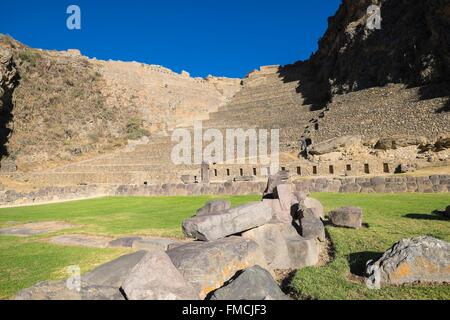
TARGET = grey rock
(312,228)
(58,290)
(236,220)
(274,181)
(156,278)
(284,193)
(283,247)
(278,213)
(208,265)
(315,206)
(113,273)
(126,242)
(350,217)
(423,259)
(149,244)
(254,283)
(213,207)
(300,196)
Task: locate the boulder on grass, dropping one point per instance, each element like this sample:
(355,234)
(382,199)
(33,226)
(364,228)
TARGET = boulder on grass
(349,217)
(213,207)
(58,290)
(208,265)
(156,278)
(283,247)
(112,274)
(254,283)
(150,244)
(217,226)
(312,228)
(315,206)
(423,259)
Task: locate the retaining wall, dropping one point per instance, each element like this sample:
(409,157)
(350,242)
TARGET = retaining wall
(398,184)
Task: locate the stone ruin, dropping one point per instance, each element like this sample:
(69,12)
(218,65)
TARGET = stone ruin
(237,253)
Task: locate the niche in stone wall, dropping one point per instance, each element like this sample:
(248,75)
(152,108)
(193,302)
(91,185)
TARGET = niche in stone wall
(314,169)
(366,168)
(386,168)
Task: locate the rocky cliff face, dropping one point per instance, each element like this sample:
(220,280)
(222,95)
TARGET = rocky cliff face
(412,46)
(8,82)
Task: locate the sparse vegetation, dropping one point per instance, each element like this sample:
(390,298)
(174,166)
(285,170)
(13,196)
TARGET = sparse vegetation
(135,129)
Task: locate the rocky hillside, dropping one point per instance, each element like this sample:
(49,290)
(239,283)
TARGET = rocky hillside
(60,107)
(412,46)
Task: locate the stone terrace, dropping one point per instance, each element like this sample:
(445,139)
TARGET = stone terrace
(265,102)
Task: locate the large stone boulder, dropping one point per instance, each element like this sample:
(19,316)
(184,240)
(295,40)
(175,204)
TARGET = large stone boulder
(283,247)
(156,278)
(275,180)
(423,259)
(312,228)
(278,213)
(113,273)
(350,217)
(150,244)
(213,207)
(315,207)
(208,265)
(216,226)
(58,290)
(254,283)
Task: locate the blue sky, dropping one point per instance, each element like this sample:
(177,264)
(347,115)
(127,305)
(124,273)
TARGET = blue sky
(223,38)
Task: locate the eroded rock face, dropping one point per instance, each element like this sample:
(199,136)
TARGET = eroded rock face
(350,217)
(283,247)
(216,226)
(254,283)
(156,278)
(208,265)
(423,259)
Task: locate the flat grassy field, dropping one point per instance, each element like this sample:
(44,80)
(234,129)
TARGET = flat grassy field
(25,261)
(389,218)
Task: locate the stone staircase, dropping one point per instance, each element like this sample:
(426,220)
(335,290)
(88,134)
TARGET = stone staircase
(265,101)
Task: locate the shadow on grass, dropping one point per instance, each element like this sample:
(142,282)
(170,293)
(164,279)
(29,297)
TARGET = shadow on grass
(435,215)
(357,261)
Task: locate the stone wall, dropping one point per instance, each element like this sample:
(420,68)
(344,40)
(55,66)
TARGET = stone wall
(399,184)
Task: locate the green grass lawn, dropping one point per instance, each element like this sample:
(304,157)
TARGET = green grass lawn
(26,261)
(389,218)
